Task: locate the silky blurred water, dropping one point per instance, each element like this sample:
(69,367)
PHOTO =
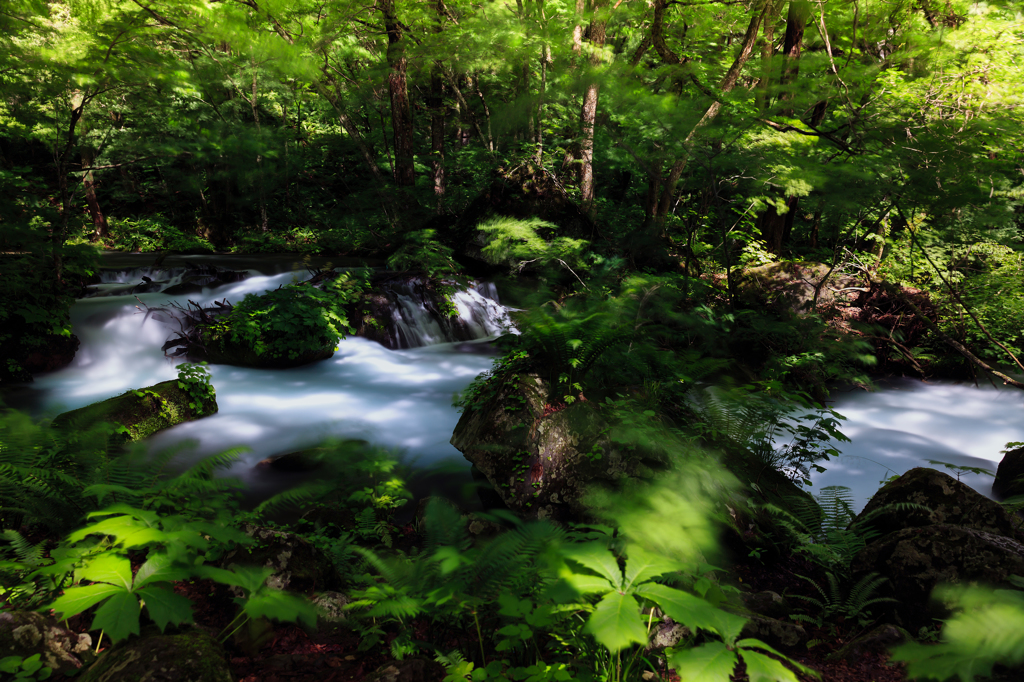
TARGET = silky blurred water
(907,422)
(399,399)
(402,399)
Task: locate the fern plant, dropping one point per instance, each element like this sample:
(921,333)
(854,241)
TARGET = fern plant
(566,345)
(838,601)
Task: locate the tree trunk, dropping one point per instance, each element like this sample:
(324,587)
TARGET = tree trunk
(99,221)
(437,113)
(796,22)
(588,113)
(727,83)
(401,110)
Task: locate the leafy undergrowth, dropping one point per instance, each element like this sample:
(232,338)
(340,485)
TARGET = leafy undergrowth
(332,653)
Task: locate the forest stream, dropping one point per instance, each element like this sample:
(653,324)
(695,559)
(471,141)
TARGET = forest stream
(402,399)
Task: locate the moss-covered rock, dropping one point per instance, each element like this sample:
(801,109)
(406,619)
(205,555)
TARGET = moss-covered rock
(950,501)
(1010,475)
(298,566)
(189,657)
(24,633)
(916,560)
(141,412)
(541,460)
(796,287)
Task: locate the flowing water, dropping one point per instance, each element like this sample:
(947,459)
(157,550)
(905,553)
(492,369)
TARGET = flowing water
(907,422)
(401,399)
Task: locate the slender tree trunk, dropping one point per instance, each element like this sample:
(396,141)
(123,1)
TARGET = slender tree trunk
(401,109)
(437,113)
(99,221)
(776,226)
(588,112)
(796,22)
(538,155)
(727,83)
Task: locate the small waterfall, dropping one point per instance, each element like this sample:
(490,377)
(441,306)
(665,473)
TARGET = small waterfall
(171,280)
(417,316)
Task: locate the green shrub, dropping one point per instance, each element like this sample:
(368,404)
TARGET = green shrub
(288,323)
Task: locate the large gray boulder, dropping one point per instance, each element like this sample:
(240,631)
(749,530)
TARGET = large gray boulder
(916,560)
(948,501)
(542,458)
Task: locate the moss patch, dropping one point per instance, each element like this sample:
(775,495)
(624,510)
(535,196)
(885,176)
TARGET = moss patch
(141,412)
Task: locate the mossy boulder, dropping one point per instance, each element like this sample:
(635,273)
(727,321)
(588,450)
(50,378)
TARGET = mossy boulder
(24,633)
(949,501)
(189,657)
(298,565)
(1010,475)
(915,560)
(799,288)
(541,459)
(141,412)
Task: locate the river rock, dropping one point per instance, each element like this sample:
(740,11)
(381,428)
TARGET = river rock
(141,412)
(24,633)
(915,560)
(540,459)
(950,501)
(1010,475)
(189,657)
(298,565)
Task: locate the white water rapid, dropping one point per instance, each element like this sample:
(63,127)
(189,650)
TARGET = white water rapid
(398,399)
(907,422)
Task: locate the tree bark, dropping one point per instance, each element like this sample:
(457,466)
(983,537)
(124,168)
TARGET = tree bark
(437,114)
(588,113)
(99,221)
(401,109)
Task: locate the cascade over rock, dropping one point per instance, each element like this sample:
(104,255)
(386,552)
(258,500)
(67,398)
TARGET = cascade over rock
(538,458)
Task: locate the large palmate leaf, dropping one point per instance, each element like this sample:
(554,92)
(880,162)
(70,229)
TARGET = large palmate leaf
(165,606)
(78,599)
(616,622)
(711,662)
(598,559)
(693,611)
(119,616)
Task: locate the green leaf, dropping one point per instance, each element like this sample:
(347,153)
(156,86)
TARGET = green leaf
(159,568)
(761,668)
(597,558)
(585,583)
(278,605)
(165,606)
(693,611)
(642,565)
(119,616)
(711,662)
(108,568)
(616,622)
(78,599)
